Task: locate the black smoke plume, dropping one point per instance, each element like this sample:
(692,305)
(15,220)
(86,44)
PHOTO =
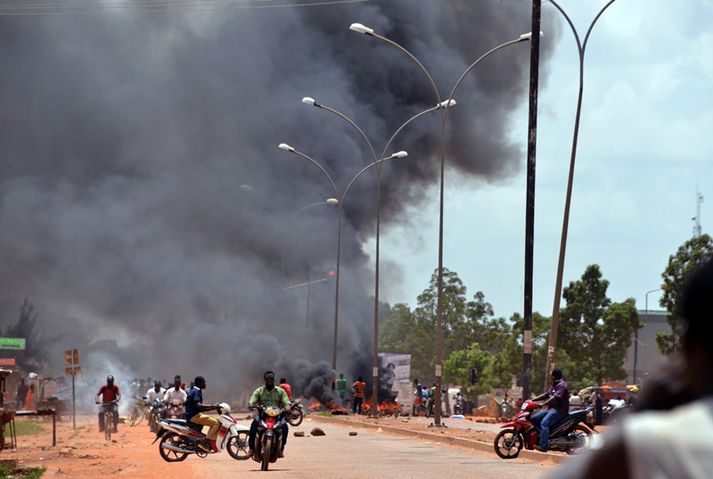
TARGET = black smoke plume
(125,139)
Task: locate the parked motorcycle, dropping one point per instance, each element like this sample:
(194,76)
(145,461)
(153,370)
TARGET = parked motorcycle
(571,433)
(297,413)
(179,438)
(175,409)
(268,441)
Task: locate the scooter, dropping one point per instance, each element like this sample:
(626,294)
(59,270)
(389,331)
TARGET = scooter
(268,441)
(179,438)
(567,435)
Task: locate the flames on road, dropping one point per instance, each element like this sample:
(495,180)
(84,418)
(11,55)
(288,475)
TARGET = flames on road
(384,408)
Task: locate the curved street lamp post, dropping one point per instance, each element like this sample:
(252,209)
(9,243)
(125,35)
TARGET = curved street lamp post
(359,28)
(439,105)
(581,48)
(338,201)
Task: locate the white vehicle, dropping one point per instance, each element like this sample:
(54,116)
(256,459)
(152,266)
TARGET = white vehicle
(179,438)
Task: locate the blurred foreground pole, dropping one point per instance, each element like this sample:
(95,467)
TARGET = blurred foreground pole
(530,201)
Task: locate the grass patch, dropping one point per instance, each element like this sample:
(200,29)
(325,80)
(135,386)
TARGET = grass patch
(23,428)
(10,472)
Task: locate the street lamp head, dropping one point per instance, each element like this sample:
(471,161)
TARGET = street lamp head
(447,103)
(359,28)
(527,36)
(399,154)
(285,146)
(332,201)
(308,100)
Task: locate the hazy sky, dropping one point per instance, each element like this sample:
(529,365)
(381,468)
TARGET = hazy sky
(644,149)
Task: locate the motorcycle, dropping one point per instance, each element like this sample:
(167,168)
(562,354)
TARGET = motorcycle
(180,438)
(569,434)
(268,441)
(297,413)
(175,409)
(157,412)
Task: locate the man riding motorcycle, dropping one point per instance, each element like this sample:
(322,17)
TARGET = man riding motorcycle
(110,395)
(175,393)
(154,396)
(557,400)
(194,413)
(268,395)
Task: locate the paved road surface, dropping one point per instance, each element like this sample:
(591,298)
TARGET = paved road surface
(369,455)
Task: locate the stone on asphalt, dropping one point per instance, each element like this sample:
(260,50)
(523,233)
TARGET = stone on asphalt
(299,434)
(317,432)
(352,433)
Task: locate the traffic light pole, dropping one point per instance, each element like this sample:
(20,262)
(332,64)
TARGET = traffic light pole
(74,402)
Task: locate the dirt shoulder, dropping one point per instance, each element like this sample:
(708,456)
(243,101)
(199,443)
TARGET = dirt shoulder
(83,452)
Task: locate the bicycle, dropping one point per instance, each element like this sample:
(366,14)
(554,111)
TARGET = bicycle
(108,413)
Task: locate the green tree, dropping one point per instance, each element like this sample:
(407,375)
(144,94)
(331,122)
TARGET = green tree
(35,355)
(459,363)
(690,254)
(594,332)
(508,358)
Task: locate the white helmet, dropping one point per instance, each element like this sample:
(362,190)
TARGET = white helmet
(224,408)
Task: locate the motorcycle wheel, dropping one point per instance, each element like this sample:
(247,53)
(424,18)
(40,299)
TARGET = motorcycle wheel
(168,455)
(266,453)
(582,433)
(238,446)
(508,444)
(296,417)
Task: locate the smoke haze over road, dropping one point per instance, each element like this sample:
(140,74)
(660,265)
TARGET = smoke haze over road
(124,139)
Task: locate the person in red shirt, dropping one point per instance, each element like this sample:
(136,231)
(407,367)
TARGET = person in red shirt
(110,396)
(288,389)
(358,387)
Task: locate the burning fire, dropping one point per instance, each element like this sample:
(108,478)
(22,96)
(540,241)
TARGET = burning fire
(330,406)
(384,408)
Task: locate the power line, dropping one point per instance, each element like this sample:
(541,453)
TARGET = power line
(154,6)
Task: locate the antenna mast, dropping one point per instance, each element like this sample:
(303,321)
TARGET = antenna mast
(697,219)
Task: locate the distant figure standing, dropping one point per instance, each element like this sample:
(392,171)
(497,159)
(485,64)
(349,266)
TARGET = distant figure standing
(30,401)
(359,386)
(596,402)
(287,388)
(418,395)
(342,388)
(21,394)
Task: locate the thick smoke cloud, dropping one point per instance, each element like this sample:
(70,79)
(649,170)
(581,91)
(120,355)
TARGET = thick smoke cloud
(124,140)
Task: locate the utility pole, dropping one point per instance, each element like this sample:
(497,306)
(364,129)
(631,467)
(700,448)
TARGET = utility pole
(530,201)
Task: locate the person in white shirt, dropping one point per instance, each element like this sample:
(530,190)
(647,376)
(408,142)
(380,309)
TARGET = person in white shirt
(155,393)
(175,392)
(667,444)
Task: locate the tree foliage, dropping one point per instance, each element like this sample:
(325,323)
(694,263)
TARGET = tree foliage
(35,355)
(689,256)
(594,332)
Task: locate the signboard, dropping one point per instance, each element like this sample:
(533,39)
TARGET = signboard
(12,343)
(398,369)
(7,361)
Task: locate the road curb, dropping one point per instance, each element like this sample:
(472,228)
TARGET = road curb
(443,439)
